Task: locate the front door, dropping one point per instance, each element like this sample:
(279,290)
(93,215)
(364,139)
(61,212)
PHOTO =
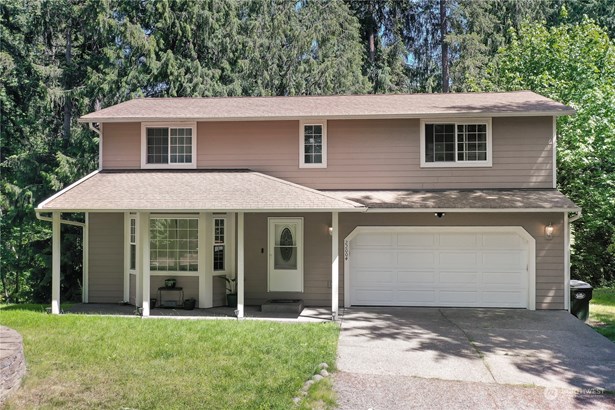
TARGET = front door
(285,255)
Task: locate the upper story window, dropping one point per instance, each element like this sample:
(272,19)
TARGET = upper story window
(168,145)
(458,143)
(313,144)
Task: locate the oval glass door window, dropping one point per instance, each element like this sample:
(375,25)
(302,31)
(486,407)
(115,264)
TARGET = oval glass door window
(286,249)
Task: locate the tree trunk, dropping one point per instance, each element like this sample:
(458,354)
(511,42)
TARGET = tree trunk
(444,45)
(371,33)
(68,102)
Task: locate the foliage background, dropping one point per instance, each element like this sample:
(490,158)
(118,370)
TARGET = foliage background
(60,59)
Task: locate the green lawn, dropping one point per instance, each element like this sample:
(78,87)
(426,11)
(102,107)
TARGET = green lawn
(84,362)
(602,312)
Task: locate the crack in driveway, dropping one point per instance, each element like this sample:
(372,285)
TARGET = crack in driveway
(472,343)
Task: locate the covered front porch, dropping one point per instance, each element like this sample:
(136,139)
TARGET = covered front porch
(308,314)
(191,226)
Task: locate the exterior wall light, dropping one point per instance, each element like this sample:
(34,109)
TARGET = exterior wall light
(439,215)
(331,230)
(549,231)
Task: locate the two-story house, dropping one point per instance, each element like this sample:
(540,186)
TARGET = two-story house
(383,200)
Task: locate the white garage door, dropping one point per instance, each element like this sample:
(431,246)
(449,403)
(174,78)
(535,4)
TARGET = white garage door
(464,267)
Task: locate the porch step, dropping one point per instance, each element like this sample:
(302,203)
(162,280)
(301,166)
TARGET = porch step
(283,306)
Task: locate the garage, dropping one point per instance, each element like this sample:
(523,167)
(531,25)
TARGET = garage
(440,266)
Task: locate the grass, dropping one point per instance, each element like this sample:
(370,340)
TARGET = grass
(83,362)
(602,312)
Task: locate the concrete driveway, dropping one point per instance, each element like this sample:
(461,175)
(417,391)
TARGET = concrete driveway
(490,358)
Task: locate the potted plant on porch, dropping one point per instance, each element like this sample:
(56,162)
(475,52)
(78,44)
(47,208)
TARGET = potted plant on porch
(231,292)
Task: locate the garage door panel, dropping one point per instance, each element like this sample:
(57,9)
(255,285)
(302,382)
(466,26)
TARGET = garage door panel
(504,260)
(502,241)
(458,240)
(422,268)
(416,298)
(374,239)
(416,259)
(458,297)
(372,297)
(459,278)
(378,278)
(374,259)
(503,299)
(450,259)
(415,278)
(503,278)
(416,240)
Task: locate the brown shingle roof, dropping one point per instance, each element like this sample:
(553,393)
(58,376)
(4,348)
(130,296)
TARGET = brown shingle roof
(340,106)
(212,190)
(460,199)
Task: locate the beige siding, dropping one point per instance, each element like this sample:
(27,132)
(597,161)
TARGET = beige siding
(549,253)
(106,257)
(363,154)
(317,260)
(190,285)
(121,146)
(378,154)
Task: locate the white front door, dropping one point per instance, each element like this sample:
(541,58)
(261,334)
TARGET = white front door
(464,267)
(285,255)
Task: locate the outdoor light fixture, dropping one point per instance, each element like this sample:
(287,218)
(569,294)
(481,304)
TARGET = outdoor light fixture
(331,230)
(549,231)
(439,215)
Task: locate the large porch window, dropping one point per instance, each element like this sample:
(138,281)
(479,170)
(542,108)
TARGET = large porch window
(174,244)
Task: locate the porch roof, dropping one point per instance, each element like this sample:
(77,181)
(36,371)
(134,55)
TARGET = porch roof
(190,190)
(476,200)
(524,103)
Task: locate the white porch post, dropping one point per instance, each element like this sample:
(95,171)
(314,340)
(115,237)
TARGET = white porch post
(145,285)
(86,260)
(335,266)
(240,265)
(55,263)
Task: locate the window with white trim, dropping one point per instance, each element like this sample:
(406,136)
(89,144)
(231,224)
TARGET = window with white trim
(462,143)
(313,144)
(219,244)
(168,145)
(133,243)
(174,244)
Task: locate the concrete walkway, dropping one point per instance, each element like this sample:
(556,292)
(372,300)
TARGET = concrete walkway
(471,358)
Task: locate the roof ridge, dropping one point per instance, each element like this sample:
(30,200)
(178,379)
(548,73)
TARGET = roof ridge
(312,190)
(321,96)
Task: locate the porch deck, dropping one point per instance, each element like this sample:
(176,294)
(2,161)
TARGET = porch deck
(309,314)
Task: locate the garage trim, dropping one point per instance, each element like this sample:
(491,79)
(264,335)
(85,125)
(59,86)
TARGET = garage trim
(531,303)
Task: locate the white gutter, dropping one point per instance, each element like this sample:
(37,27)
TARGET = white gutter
(64,221)
(576,217)
(93,128)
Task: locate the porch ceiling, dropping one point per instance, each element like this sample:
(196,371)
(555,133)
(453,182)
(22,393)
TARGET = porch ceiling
(193,190)
(493,199)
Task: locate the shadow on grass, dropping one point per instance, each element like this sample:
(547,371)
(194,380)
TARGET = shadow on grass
(31,307)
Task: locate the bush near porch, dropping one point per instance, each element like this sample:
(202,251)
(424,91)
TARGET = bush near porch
(83,362)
